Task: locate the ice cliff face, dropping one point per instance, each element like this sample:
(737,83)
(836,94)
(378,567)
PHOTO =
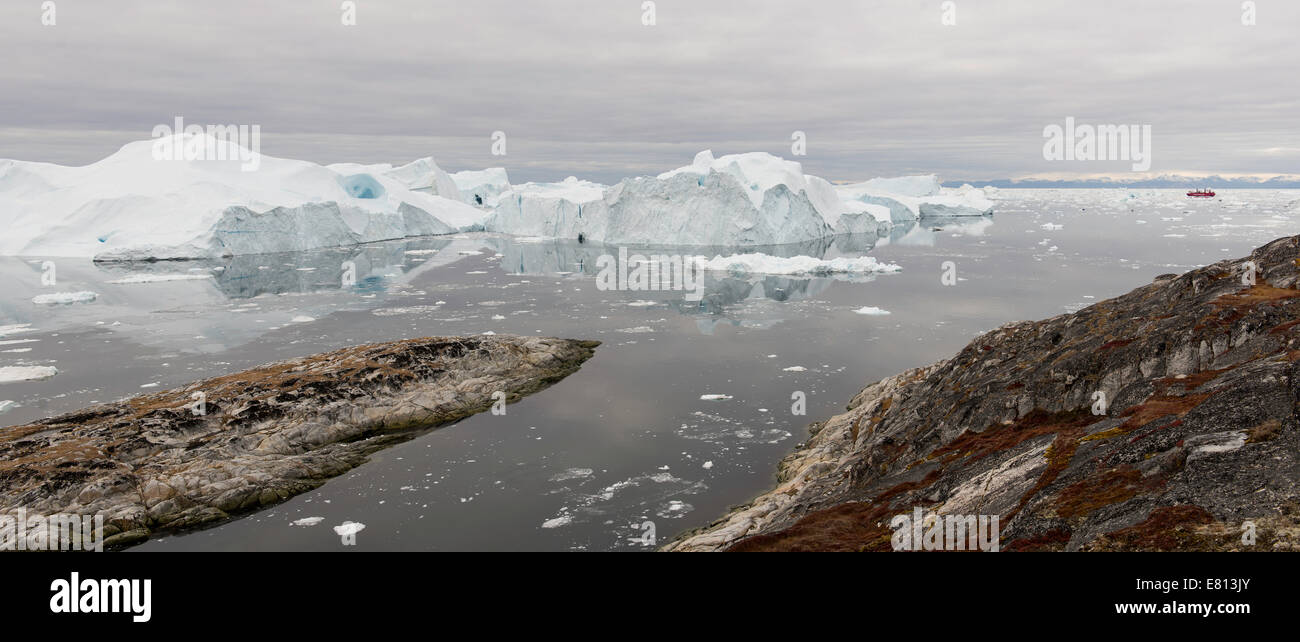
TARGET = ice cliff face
(743,199)
(568,209)
(482,188)
(134,205)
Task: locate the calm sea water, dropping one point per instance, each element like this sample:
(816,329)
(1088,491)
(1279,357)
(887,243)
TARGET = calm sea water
(627,440)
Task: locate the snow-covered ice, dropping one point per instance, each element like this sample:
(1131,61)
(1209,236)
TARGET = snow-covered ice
(914,203)
(482,188)
(135,205)
(734,200)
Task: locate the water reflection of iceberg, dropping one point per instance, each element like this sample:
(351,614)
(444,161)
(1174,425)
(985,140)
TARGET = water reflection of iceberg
(371,267)
(564,256)
(726,297)
(923,232)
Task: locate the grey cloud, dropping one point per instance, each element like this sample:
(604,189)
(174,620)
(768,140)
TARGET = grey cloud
(880,87)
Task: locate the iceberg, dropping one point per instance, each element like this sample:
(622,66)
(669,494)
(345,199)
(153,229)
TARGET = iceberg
(133,205)
(738,200)
(911,198)
(858,217)
(553,210)
(915,186)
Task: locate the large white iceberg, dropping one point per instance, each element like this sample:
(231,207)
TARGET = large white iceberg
(734,200)
(134,204)
(916,186)
(913,197)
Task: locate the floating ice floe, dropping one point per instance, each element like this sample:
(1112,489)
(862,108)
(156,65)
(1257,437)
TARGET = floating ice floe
(714,397)
(572,473)
(12,374)
(158,278)
(64,298)
(349,528)
(309,521)
(6,330)
(556,522)
(795,265)
(870,310)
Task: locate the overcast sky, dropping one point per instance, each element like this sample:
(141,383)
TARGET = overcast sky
(879,87)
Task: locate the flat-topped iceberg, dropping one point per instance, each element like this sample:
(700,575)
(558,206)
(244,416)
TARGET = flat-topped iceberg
(136,204)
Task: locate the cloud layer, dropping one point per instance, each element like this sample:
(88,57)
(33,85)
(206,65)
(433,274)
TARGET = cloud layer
(879,86)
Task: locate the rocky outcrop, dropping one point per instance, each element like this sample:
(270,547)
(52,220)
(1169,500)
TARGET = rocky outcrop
(198,454)
(1164,419)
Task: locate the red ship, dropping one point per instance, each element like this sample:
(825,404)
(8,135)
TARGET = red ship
(1201,193)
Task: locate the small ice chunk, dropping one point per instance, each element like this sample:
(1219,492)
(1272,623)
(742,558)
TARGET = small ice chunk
(556,522)
(349,528)
(871,310)
(64,298)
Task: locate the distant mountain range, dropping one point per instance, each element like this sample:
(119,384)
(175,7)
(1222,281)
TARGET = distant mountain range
(1165,181)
